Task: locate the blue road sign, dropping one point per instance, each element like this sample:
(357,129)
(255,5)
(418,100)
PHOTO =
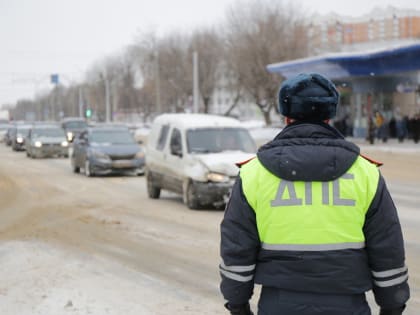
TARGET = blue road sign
(54,78)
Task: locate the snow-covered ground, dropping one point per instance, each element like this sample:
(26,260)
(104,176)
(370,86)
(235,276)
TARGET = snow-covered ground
(34,280)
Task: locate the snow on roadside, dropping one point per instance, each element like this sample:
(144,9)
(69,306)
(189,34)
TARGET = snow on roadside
(39,279)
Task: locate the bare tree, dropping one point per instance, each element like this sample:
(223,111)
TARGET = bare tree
(70,101)
(22,107)
(95,92)
(163,64)
(121,74)
(142,57)
(175,71)
(259,34)
(173,56)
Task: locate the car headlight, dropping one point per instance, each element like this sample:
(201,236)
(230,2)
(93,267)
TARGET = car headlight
(64,144)
(139,155)
(69,136)
(217,177)
(38,144)
(99,155)
(19,140)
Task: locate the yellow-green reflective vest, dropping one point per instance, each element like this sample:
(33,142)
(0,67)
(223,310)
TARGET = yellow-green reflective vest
(314,216)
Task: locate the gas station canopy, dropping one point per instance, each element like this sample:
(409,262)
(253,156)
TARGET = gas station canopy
(345,65)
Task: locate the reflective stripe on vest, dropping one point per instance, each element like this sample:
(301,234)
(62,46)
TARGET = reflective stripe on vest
(315,216)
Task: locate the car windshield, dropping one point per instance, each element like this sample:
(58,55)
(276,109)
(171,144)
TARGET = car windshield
(23,130)
(4,127)
(48,132)
(213,140)
(75,125)
(112,136)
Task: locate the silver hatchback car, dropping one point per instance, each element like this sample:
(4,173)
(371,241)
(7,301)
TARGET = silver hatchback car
(47,141)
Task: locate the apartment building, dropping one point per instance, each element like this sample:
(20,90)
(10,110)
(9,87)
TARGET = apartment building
(381,27)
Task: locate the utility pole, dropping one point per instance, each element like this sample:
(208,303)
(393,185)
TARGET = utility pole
(196,93)
(157,79)
(107,99)
(81,114)
(54,78)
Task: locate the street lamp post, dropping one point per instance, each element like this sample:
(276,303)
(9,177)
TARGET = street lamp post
(104,78)
(81,114)
(195,83)
(157,79)
(107,100)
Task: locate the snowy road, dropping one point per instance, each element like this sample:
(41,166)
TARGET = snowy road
(76,245)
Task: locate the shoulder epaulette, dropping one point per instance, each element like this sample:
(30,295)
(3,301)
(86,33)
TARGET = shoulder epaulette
(239,164)
(371,160)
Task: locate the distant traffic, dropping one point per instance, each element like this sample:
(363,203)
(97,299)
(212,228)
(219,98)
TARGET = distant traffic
(190,154)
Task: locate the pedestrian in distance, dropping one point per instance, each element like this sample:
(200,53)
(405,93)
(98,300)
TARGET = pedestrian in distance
(371,130)
(311,220)
(382,127)
(415,127)
(400,125)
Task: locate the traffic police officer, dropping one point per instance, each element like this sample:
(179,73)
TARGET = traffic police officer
(311,220)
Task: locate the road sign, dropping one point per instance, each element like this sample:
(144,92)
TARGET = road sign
(54,78)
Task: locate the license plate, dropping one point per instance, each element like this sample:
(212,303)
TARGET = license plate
(122,164)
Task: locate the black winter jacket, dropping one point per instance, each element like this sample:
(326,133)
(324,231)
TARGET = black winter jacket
(317,152)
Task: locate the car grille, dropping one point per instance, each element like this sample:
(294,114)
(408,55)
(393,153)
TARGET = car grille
(122,157)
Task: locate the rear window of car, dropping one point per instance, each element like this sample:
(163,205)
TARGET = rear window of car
(23,130)
(118,136)
(75,125)
(48,132)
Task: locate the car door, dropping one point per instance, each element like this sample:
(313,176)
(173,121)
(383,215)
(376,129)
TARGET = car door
(156,156)
(175,161)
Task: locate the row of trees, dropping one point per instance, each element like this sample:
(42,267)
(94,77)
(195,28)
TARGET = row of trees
(155,74)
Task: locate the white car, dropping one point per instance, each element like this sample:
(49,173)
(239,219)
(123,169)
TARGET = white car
(195,155)
(263,135)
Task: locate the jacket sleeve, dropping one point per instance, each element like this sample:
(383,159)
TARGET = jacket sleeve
(239,248)
(385,248)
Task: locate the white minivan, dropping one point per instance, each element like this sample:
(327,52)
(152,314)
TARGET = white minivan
(195,155)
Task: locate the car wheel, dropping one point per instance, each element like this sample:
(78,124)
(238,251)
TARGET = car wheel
(191,197)
(74,167)
(88,169)
(152,190)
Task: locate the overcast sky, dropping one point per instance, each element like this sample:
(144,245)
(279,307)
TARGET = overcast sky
(41,37)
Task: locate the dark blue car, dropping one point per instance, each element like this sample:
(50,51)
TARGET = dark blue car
(107,149)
